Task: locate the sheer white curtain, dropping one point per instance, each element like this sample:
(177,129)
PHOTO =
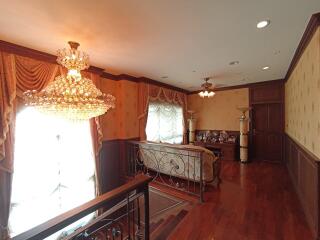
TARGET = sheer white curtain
(165,122)
(53,169)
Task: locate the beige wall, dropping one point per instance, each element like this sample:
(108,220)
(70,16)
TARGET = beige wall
(121,122)
(219,112)
(302,98)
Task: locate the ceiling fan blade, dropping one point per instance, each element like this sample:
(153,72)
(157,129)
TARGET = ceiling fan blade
(220,85)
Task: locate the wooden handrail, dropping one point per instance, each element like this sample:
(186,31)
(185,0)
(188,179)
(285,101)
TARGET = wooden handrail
(55,224)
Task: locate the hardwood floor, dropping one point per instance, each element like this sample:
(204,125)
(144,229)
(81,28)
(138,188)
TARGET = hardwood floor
(255,201)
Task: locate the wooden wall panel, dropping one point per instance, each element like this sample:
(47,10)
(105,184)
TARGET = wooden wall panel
(114,166)
(266,93)
(307,176)
(294,163)
(303,167)
(109,157)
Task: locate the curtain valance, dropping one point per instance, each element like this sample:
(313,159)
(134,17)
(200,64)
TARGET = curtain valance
(19,74)
(148,92)
(166,95)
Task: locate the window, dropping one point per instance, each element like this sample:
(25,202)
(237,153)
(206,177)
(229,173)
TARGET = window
(165,123)
(53,169)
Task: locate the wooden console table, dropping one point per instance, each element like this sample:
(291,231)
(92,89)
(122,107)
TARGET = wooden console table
(227,150)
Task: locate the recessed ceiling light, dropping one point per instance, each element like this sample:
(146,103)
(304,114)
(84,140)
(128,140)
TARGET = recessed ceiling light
(265,68)
(263,23)
(234,63)
(194,71)
(164,77)
(277,52)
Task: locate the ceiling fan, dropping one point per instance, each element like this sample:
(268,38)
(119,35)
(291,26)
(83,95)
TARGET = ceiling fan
(207,91)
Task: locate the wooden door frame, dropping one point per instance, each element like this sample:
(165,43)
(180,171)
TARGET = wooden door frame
(252,103)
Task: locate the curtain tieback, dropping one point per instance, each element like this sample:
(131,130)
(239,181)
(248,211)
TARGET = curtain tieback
(3,227)
(4,232)
(142,115)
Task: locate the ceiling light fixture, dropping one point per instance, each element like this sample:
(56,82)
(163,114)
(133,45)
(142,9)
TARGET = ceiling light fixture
(206,92)
(72,96)
(164,77)
(263,24)
(265,68)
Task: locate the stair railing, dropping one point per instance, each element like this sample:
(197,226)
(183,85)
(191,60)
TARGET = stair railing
(117,222)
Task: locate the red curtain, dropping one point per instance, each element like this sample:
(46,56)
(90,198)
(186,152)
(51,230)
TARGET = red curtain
(18,74)
(143,102)
(97,136)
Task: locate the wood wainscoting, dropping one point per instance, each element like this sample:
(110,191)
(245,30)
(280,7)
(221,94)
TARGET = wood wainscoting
(303,167)
(113,163)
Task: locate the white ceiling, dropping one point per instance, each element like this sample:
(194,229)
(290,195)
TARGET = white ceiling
(155,38)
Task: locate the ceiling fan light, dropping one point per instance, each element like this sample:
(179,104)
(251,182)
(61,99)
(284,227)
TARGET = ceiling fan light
(211,94)
(206,92)
(201,94)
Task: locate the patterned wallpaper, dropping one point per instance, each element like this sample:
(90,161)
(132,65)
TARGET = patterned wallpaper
(128,110)
(121,122)
(219,112)
(302,98)
(109,120)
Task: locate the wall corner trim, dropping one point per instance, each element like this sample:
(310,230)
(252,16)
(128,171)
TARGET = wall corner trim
(312,26)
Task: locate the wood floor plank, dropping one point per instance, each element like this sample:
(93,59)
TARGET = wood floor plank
(255,201)
(154,226)
(170,225)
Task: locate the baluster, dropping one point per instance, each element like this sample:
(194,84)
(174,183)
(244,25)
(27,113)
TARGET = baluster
(128,217)
(146,210)
(136,156)
(139,224)
(188,177)
(201,180)
(133,221)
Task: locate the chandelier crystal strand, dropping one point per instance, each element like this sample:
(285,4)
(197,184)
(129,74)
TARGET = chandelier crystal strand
(71,96)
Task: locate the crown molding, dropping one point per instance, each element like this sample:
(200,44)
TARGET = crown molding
(312,26)
(27,52)
(38,55)
(141,79)
(247,85)
(161,84)
(42,56)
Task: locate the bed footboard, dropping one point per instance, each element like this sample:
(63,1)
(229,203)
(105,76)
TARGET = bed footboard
(174,167)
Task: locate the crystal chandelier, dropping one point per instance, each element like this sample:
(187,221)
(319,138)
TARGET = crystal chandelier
(206,92)
(72,96)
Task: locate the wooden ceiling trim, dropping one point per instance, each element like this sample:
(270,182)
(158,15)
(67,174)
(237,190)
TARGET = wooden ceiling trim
(312,26)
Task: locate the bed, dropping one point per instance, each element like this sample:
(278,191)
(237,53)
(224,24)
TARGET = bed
(185,167)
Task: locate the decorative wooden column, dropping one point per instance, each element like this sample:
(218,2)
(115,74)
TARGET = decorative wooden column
(244,125)
(192,127)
